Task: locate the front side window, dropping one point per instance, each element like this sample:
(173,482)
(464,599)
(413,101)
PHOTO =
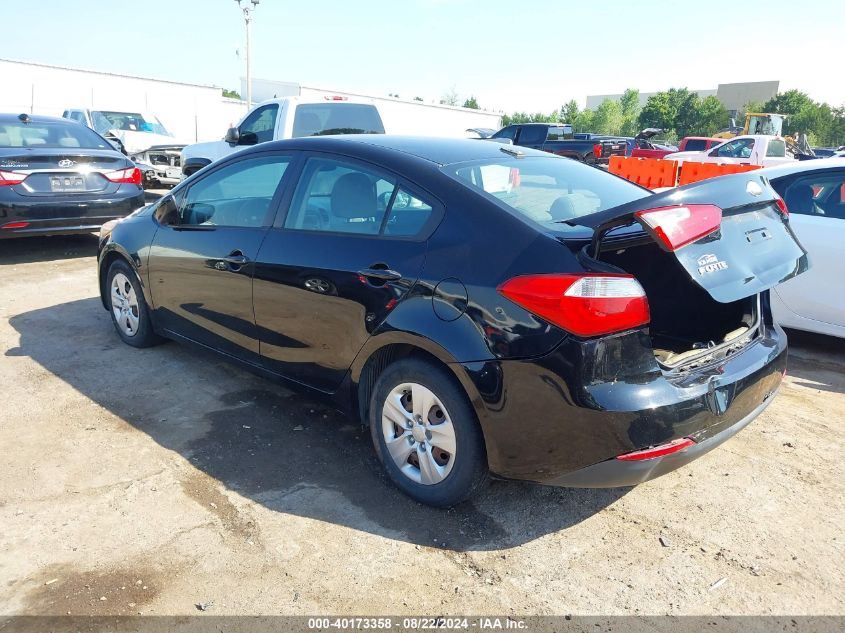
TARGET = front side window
(740,148)
(238,195)
(259,126)
(508,132)
(545,190)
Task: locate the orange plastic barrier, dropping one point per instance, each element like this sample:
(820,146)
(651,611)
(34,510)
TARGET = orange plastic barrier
(648,172)
(693,172)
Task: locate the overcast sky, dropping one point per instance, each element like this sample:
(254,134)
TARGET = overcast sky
(516,55)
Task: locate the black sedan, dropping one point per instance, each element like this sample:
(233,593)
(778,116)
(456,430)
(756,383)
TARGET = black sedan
(58,177)
(485,309)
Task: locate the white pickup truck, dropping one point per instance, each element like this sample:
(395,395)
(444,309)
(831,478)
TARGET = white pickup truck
(287,117)
(751,149)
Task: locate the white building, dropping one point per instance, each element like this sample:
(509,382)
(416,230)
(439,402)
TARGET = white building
(190,112)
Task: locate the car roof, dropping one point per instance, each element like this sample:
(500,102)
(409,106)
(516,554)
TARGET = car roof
(437,150)
(6,117)
(801,166)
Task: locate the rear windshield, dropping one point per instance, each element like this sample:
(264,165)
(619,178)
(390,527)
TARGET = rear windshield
(320,119)
(50,134)
(695,145)
(546,190)
(776,148)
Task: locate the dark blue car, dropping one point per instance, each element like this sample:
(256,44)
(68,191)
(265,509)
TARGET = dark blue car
(58,177)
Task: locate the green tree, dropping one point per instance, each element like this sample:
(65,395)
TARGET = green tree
(471,103)
(608,118)
(657,112)
(584,121)
(712,117)
(231,94)
(789,102)
(630,103)
(569,112)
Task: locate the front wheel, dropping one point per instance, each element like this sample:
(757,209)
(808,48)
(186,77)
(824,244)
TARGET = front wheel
(426,434)
(128,308)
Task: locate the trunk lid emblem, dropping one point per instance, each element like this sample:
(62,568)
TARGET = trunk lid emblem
(710,263)
(65,163)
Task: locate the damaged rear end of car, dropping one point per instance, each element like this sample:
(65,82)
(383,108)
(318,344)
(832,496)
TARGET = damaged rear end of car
(669,347)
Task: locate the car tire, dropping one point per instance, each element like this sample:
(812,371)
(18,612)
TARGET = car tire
(438,460)
(127,307)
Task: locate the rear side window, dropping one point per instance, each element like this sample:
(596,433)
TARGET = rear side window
(50,134)
(776,148)
(819,194)
(318,119)
(546,190)
(695,145)
(339,197)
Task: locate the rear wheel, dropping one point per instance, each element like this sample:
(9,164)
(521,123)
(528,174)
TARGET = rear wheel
(128,308)
(426,434)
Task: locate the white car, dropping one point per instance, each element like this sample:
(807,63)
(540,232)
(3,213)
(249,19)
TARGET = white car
(814,192)
(751,149)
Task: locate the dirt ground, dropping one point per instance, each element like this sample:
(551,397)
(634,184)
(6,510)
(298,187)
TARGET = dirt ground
(150,481)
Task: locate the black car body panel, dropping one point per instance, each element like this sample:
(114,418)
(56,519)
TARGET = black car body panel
(63,190)
(301,308)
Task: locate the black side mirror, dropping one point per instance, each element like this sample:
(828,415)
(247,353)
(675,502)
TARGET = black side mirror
(233,135)
(167,213)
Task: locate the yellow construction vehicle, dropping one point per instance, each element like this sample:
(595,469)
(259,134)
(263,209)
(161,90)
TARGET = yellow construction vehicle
(756,123)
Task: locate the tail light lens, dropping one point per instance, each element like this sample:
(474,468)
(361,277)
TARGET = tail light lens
(587,304)
(675,227)
(781,204)
(658,451)
(11,178)
(597,150)
(131,175)
(15,225)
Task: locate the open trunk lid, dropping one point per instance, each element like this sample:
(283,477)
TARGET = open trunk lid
(730,234)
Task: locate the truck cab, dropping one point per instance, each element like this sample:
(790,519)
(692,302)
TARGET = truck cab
(752,149)
(283,118)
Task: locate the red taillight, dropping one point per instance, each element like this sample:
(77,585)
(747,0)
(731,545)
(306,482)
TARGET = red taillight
(597,149)
(784,210)
(335,98)
(15,225)
(658,451)
(11,178)
(131,175)
(587,305)
(676,227)
(514,180)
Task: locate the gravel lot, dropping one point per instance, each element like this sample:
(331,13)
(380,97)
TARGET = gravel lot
(149,481)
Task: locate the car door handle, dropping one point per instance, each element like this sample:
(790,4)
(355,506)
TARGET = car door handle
(236,260)
(385,274)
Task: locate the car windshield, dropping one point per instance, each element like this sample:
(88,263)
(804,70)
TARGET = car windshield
(48,134)
(127,121)
(547,190)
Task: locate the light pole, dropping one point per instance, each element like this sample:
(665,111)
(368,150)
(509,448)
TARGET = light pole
(248,19)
